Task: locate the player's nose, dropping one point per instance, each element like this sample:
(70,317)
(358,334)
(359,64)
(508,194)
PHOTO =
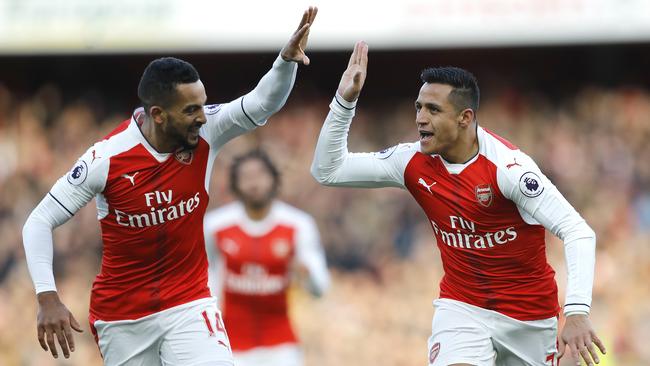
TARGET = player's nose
(419,119)
(202,119)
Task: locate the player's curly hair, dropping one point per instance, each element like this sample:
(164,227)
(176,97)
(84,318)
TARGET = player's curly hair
(465,93)
(256,154)
(158,82)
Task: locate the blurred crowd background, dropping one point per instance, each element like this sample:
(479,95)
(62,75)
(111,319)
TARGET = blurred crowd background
(583,113)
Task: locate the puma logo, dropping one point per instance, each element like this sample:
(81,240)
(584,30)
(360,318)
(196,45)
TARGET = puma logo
(427,186)
(131,177)
(94,156)
(513,164)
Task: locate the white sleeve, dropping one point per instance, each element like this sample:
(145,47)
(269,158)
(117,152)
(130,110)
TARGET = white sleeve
(310,254)
(37,240)
(333,165)
(67,196)
(542,203)
(215,264)
(229,120)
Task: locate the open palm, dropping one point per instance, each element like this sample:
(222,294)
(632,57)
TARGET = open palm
(294,50)
(355,75)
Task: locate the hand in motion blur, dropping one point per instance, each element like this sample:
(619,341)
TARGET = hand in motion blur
(294,50)
(355,75)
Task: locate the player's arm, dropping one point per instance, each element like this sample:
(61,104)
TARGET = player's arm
(215,262)
(542,203)
(310,257)
(253,109)
(333,165)
(67,196)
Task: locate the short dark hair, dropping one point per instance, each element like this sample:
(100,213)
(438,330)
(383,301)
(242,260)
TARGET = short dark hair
(465,93)
(158,82)
(256,154)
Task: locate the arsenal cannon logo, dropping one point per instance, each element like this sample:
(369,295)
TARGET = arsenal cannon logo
(184,156)
(483,194)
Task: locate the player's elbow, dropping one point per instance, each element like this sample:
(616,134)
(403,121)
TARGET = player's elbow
(31,226)
(320,175)
(591,234)
(27,227)
(317,172)
(585,231)
(31,223)
(582,233)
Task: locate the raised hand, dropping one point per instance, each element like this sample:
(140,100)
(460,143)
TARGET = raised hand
(294,50)
(55,320)
(355,75)
(579,337)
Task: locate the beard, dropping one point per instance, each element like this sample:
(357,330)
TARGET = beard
(180,135)
(260,203)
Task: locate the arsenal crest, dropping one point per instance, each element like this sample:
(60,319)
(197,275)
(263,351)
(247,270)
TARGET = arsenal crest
(281,248)
(184,156)
(483,194)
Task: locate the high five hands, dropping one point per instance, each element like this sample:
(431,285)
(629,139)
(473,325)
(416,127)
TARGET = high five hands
(355,75)
(294,50)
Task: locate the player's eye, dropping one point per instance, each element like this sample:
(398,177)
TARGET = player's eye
(191,110)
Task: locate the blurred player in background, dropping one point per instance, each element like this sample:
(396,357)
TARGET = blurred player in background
(488,204)
(150,303)
(255,246)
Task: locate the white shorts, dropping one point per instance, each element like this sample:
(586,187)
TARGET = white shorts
(188,334)
(463,333)
(280,355)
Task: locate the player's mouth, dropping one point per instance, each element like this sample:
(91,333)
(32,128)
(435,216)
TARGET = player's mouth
(425,136)
(193,133)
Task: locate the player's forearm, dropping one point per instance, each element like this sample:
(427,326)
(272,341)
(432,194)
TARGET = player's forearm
(581,258)
(558,216)
(332,147)
(271,92)
(37,241)
(319,281)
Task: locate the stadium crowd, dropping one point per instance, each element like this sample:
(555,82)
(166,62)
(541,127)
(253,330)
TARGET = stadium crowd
(593,146)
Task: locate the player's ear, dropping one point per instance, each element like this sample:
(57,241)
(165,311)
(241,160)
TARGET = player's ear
(465,117)
(157,114)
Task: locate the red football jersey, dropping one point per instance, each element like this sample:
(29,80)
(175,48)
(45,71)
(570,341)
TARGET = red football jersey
(150,207)
(253,262)
(488,217)
(491,257)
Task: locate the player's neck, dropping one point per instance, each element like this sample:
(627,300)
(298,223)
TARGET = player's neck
(257,213)
(156,138)
(464,150)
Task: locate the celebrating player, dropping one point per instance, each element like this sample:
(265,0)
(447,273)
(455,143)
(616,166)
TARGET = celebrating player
(150,304)
(255,246)
(488,204)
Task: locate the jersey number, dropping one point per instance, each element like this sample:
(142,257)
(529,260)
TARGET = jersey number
(219,325)
(551,358)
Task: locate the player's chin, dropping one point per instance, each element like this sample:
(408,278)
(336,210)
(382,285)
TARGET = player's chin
(192,141)
(428,147)
(258,201)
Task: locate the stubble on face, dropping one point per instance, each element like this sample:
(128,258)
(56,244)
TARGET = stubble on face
(436,118)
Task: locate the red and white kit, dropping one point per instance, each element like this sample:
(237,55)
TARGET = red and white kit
(251,265)
(150,206)
(488,217)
